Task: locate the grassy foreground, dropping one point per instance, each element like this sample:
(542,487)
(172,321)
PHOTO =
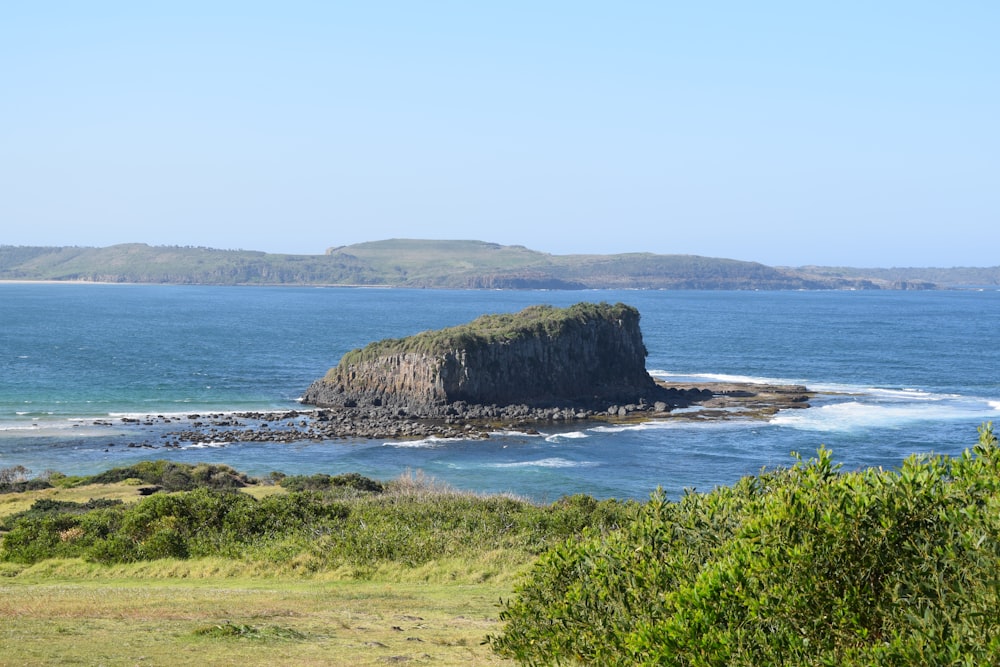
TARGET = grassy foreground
(219,569)
(216,611)
(808,565)
(64,613)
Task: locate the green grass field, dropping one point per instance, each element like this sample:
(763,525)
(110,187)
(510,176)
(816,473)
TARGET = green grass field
(196,617)
(226,611)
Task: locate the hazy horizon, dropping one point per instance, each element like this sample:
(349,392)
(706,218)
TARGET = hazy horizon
(846,135)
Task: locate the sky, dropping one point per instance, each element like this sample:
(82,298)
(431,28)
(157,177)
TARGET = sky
(790,133)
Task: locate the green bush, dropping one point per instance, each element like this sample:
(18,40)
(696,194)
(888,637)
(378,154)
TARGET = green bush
(62,481)
(410,522)
(51,507)
(175,476)
(324,482)
(18,479)
(203,522)
(807,566)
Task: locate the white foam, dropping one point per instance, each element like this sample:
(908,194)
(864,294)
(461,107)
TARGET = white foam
(671,424)
(518,434)
(149,416)
(432,441)
(555,462)
(863,414)
(19,427)
(40,427)
(616,429)
(206,445)
(642,426)
(889,394)
(573,435)
(694,378)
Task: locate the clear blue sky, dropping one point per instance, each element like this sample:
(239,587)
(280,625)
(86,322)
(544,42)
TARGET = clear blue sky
(837,133)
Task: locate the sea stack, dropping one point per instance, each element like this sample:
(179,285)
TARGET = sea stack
(588,355)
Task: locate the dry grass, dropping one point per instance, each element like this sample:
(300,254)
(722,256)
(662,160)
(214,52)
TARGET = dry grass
(218,611)
(221,621)
(12,503)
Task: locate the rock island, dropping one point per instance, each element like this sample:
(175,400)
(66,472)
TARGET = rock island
(585,356)
(541,367)
(542,364)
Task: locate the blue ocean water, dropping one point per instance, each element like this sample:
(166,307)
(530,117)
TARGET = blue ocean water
(898,372)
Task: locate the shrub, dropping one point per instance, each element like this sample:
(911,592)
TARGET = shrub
(807,566)
(50,507)
(203,522)
(13,474)
(17,479)
(354,521)
(62,481)
(175,476)
(323,482)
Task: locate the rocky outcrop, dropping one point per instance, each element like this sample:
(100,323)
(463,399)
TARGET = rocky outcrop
(588,355)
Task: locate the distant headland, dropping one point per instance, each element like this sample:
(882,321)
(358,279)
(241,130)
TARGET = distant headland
(415,263)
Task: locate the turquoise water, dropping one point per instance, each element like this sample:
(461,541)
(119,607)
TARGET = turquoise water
(901,372)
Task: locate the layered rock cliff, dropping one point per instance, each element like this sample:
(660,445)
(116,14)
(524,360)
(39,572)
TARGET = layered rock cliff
(585,355)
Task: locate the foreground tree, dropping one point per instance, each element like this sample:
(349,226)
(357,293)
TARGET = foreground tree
(804,566)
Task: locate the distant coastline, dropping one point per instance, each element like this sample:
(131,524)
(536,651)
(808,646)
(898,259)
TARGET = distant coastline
(425,264)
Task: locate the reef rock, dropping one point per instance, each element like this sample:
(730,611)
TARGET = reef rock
(586,355)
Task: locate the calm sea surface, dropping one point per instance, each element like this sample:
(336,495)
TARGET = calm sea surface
(900,372)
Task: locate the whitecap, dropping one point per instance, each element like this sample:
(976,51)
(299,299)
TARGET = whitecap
(145,416)
(205,445)
(678,424)
(886,393)
(432,441)
(555,462)
(696,378)
(572,435)
(863,414)
(836,388)
(46,427)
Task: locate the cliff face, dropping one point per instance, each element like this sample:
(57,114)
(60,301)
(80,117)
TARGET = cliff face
(583,355)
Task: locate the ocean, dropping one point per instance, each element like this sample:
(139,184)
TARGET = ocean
(898,373)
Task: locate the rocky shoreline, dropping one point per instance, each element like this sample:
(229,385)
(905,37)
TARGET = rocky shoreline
(704,401)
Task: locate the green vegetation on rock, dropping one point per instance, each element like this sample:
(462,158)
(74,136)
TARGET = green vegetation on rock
(533,322)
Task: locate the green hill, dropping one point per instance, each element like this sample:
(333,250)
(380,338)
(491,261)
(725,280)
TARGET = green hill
(450,264)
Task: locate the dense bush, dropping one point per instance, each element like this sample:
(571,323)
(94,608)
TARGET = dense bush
(18,479)
(324,482)
(50,507)
(410,521)
(203,522)
(175,476)
(806,566)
